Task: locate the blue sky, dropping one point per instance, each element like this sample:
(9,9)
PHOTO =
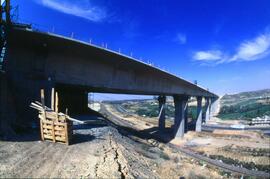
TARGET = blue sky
(223,44)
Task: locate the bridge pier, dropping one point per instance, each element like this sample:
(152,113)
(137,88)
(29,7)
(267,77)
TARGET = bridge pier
(214,107)
(180,104)
(186,119)
(207,109)
(199,115)
(161,116)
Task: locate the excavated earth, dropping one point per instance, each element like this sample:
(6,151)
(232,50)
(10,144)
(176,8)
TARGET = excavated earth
(103,151)
(97,152)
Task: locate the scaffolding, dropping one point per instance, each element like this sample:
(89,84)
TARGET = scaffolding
(5,21)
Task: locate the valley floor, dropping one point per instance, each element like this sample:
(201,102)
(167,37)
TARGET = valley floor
(107,151)
(99,152)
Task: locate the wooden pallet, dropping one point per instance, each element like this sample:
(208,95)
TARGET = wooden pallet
(54,126)
(58,129)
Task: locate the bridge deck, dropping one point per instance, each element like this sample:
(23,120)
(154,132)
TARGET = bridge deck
(71,62)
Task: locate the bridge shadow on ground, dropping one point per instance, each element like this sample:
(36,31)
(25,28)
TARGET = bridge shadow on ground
(85,132)
(81,138)
(25,136)
(31,132)
(164,136)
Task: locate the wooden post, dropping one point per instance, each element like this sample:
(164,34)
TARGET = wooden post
(56,102)
(53,132)
(41,130)
(52,99)
(43,113)
(66,133)
(42,98)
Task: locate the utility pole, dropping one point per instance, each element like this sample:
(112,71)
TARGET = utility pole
(7,9)
(4,27)
(1,11)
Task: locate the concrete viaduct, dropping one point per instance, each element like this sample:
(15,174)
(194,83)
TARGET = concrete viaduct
(36,60)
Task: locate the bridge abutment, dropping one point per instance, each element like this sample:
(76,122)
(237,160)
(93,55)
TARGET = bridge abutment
(180,104)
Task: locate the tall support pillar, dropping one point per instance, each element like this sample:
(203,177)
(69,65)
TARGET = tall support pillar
(161,116)
(199,114)
(7,9)
(180,104)
(186,119)
(207,109)
(214,110)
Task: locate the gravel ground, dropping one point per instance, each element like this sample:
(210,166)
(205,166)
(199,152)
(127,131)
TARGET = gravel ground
(97,152)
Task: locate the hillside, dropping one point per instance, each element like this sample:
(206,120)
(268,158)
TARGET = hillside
(245,105)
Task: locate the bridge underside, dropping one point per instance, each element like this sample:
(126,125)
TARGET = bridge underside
(37,61)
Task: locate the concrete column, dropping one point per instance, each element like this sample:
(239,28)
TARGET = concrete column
(199,114)
(180,103)
(210,109)
(207,110)
(161,116)
(186,119)
(215,102)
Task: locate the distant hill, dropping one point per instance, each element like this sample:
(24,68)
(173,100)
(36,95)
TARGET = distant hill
(245,105)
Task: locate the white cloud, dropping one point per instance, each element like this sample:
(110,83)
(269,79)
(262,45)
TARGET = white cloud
(180,38)
(254,49)
(249,50)
(211,55)
(81,9)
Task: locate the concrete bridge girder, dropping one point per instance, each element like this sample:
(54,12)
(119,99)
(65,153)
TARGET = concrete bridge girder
(75,63)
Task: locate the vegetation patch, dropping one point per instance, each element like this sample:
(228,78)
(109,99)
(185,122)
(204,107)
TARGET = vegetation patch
(247,112)
(237,163)
(151,109)
(256,152)
(245,106)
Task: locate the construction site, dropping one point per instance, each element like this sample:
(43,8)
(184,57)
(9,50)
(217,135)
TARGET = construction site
(48,129)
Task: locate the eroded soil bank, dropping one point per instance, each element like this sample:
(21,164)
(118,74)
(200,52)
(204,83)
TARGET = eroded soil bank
(98,151)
